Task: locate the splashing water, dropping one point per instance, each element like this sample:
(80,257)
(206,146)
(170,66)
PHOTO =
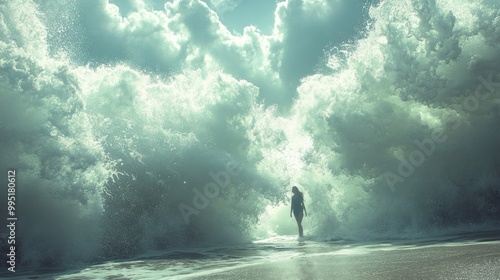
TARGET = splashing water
(398,138)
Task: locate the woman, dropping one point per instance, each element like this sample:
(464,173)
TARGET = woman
(298,208)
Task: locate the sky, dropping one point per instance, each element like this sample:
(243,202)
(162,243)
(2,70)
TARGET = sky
(238,14)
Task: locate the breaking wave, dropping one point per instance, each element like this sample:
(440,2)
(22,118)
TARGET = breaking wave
(396,137)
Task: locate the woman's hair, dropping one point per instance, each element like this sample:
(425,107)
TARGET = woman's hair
(296,190)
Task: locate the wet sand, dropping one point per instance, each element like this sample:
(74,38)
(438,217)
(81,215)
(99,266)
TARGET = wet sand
(448,261)
(459,257)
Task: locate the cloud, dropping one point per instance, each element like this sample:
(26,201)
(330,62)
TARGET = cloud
(222,6)
(308,28)
(190,34)
(148,39)
(127,7)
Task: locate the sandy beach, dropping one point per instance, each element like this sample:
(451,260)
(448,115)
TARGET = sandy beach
(446,261)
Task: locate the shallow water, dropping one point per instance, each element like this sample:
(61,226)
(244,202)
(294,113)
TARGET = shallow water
(475,256)
(144,129)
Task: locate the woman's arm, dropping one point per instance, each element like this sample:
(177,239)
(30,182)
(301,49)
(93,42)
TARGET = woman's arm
(291,208)
(304,206)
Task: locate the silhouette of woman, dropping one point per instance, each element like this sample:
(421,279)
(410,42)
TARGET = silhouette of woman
(298,208)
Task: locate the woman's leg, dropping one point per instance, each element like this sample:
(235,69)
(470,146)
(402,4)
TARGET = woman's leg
(299,223)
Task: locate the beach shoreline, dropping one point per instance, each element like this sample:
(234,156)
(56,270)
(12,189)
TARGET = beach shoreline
(438,261)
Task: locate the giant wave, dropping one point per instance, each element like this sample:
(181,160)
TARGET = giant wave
(395,136)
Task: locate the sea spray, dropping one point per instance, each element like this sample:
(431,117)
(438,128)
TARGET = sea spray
(415,75)
(107,150)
